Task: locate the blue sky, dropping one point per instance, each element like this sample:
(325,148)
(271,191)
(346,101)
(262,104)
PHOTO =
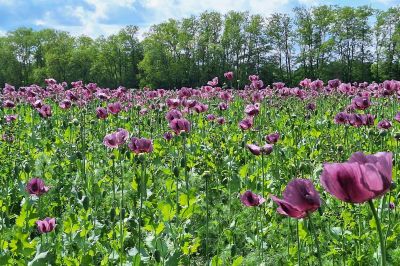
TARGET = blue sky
(105,17)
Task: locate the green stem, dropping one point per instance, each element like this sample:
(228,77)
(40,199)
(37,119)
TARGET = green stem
(298,244)
(379,229)
(316,242)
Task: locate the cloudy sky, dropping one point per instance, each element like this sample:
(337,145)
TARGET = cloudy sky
(104,17)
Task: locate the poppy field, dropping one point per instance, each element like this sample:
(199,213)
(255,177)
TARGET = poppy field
(216,175)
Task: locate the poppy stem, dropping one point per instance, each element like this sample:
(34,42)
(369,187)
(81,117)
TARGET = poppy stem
(298,244)
(379,229)
(141,190)
(316,242)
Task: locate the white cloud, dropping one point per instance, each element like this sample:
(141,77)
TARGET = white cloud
(385,2)
(2,32)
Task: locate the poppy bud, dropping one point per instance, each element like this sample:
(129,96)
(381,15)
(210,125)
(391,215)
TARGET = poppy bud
(85,203)
(112,213)
(340,148)
(157,256)
(393,186)
(383,133)
(397,136)
(176,171)
(80,194)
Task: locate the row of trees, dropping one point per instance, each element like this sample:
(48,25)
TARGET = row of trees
(326,42)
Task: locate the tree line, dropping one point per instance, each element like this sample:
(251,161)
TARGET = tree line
(325,42)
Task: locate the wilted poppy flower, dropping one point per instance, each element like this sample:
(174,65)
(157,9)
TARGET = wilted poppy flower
(101,113)
(180,125)
(114,108)
(250,199)
(361,103)
(384,124)
(44,111)
(272,138)
(36,187)
(228,75)
(299,199)
(361,178)
(246,123)
(252,109)
(46,226)
(141,145)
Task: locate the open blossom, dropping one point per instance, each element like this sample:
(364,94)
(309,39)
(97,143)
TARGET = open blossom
(251,199)
(384,124)
(10,118)
(141,145)
(252,109)
(36,187)
(272,138)
(180,125)
(210,117)
(46,226)
(342,118)
(173,103)
(221,120)
(228,75)
(114,108)
(361,178)
(8,104)
(222,106)
(305,83)
(246,123)
(167,136)
(44,111)
(397,117)
(257,150)
(253,78)
(361,103)
(299,199)
(114,140)
(65,104)
(101,113)
(213,82)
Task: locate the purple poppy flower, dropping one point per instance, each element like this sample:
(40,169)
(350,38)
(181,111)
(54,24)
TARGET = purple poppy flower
(141,145)
(114,108)
(250,199)
(46,226)
(246,123)
(168,136)
(65,104)
(213,82)
(252,109)
(361,178)
(36,187)
(272,138)
(44,111)
(356,120)
(311,106)
(342,118)
(180,125)
(384,124)
(299,199)
(253,78)
(8,104)
(101,113)
(173,114)
(221,120)
(173,103)
(397,117)
(10,118)
(222,106)
(228,75)
(114,140)
(392,206)
(361,103)
(210,117)
(257,150)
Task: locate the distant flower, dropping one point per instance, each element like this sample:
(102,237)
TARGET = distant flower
(253,78)
(173,114)
(361,178)
(114,108)
(141,145)
(384,124)
(361,103)
(397,117)
(65,104)
(10,118)
(173,103)
(44,111)
(311,106)
(246,123)
(222,106)
(250,199)
(114,140)
(46,226)
(228,75)
(299,199)
(392,206)
(101,113)
(36,187)
(257,150)
(168,136)
(213,82)
(252,109)
(210,117)
(8,104)
(272,138)
(342,118)
(180,125)
(221,120)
